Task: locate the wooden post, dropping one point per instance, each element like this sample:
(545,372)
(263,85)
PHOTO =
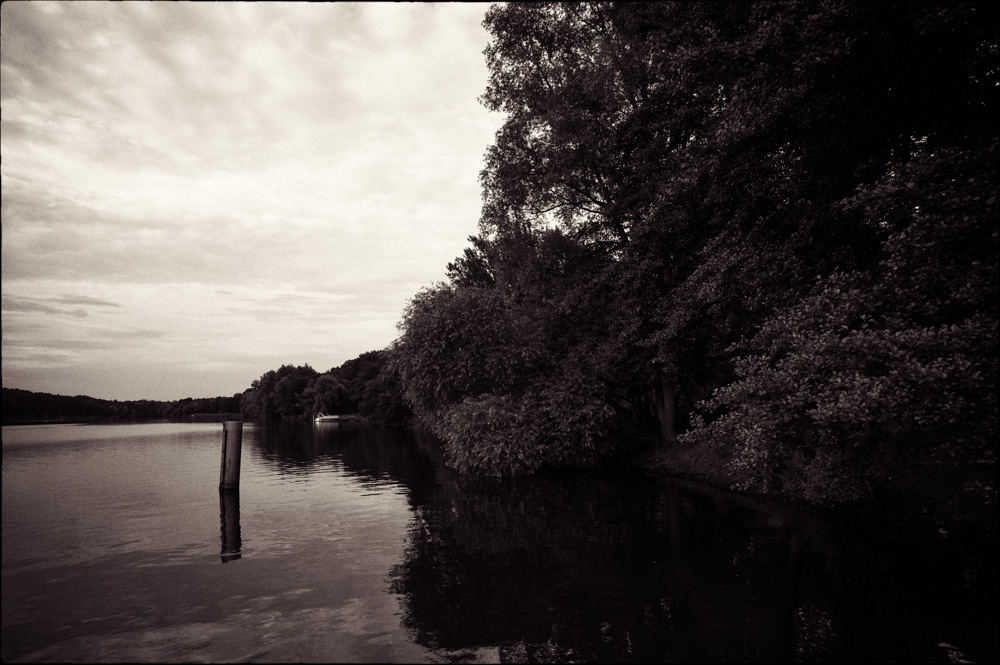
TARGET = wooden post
(232,445)
(229,517)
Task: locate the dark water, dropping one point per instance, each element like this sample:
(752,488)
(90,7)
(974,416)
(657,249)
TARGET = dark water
(355,543)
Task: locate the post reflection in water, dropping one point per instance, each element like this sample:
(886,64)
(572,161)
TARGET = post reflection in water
(229,518)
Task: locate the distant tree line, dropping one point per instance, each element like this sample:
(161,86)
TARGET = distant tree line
(767,226)
(22,405)
(365,385)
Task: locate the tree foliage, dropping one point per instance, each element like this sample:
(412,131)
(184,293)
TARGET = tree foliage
(365,385)
(873,371)
(763,225)
(512,374)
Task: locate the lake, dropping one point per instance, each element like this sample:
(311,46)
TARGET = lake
(354,543)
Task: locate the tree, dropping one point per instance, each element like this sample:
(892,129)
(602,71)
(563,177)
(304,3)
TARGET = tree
(678,184)
(877,372)
(382,397)
(513,374)
(326,394)
(279,394)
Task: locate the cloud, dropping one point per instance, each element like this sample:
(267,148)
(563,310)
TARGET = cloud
(27,305)
(316,161)
(69,299)
(15,304)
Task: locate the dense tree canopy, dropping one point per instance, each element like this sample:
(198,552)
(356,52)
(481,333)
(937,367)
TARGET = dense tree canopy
(365,385)
(765,225)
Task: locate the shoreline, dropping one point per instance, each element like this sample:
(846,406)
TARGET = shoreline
(923,508)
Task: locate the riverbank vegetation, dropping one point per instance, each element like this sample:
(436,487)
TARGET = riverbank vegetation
(767,228)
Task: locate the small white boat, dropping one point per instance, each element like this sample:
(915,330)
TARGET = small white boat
(323,418)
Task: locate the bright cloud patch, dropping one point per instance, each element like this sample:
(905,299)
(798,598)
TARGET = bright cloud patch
(313,161)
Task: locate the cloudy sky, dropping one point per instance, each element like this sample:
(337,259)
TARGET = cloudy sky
(195,194)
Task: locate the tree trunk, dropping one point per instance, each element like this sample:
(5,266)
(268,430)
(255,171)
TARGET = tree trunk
(666,408)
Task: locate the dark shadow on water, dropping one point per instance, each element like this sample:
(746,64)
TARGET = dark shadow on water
(229,518)
(596,568)
(610,566)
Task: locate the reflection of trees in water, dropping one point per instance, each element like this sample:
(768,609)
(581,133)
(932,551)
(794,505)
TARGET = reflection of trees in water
(596,567)
(592,568)
(584,568)
(367,451)
(370,452)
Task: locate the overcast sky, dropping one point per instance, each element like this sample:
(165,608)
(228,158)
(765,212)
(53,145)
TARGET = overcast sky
(195,194)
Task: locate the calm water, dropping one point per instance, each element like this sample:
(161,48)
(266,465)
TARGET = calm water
(353,543)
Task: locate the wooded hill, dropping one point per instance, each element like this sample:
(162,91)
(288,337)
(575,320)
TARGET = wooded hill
(25,405)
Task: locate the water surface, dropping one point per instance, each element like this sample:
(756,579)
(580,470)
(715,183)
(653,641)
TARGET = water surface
(351,543)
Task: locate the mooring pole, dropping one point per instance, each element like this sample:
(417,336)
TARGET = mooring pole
(232,444)
(229,518)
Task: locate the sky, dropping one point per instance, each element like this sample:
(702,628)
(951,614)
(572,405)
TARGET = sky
(195,194)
